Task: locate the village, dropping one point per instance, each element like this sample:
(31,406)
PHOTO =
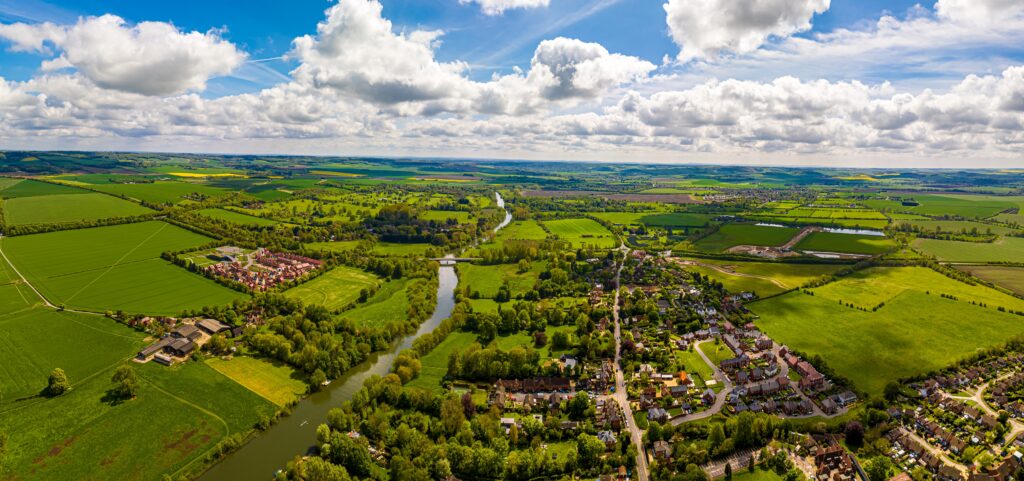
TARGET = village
(261,269)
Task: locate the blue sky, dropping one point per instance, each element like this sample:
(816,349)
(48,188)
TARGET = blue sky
(835,82)
(265,28)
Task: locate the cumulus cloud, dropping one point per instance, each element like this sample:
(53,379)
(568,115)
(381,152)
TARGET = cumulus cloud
(498,7)
(707,28)
(566,68)
(979,11)
(150,58)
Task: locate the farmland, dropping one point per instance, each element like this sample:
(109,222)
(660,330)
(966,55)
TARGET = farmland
(845,243)
(34,188)
(732,235)
(1011,278)
(115,267)
(53,209)
(486,280)
(160,192)
(763,278)
(335,289)
(388,304)
(581,232)
(1003,249)
(237,218)
(276,383)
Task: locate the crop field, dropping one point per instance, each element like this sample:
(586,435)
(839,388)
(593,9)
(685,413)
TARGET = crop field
(732,235)
(1011,218)
(237,218)
(33,188)
(161,192)
(488,279)
(1004,249)
(389,304)
(870,287)
(335,289)
(959,205)
(582,232)
(656,219)
(1011,278)
(957,226)
(845,243)
(116,267)
(54,209)
(276,383)
(763,278)
(914,333)
(434,365)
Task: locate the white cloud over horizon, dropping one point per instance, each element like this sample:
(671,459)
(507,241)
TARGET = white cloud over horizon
(498,7)
(362,87)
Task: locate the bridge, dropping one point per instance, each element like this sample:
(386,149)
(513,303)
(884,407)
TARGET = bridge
(450,261)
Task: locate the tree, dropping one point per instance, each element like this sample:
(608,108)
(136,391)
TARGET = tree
(452,414)
(728,472)
(126,384)
(892,391)
(854,434)
(578,406)
(716,436)
(878,468)
(589,449)
(317,379)
(58,383)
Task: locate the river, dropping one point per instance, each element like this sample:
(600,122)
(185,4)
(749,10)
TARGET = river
(270,450)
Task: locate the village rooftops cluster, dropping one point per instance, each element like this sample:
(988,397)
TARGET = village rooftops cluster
(179,344)
(264,269)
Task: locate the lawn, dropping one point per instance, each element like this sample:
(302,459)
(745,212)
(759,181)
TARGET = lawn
(693,364)
(914,333)
(335,289)
(237,218)
(487,279)
(732,235)
(845,243)
(582,232)
(55,209)
(161,192)
(274,382)
(1004,249)
(116,267)
(389,304)
(435,363)
(1011,278)
(763,278)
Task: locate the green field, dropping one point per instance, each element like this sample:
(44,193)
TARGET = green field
(276,383)
(845,243)
(236,218)
(694,365)
(33,188)
(335,289)
(161,192)
(582,233)
(763,278)
(338,246)
(488,279)
(732,235)
(655,219)
(389,304)
(916,331)
(445,215)
(395,249)
(1004,249)
(55,209)
(959,205)
(116,267)
(1011,278)
(957,226)
(435,363)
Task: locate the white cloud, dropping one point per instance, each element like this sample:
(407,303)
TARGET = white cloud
(151,58)
(498,7)
(708,28)
(979,11)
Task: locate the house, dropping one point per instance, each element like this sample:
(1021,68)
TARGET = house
(829,406)
(657,414)
(948,473)
(709,397)
(678,391)
(662,450)
(608,438)
(846,398)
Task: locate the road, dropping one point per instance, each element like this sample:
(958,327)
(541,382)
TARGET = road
(46,302)
(728,272)
(719,401)
(621,396)
(1016,427)
(936,451)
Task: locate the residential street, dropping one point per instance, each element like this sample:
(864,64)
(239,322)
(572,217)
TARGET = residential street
(1016,427)
(621,396)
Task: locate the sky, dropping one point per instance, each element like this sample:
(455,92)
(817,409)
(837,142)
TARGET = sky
(860,83)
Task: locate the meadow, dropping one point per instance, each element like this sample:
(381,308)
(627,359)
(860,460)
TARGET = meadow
(336,246)
(434,364)
(396,249)
(914,333)
(845,243)
(274,382)
(33,188)
(582,233)
(1011,278)
(958,205)
(115,267)
(1004,249)
(487,279)
(161,192)
(237,218)
(763,278)
(655,219)
(444,215)
(390,303)
(335,289)
(732,235)
(957,226)
(59,208)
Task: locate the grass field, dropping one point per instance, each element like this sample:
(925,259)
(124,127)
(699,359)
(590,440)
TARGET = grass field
(389,304)
(1004,249)
(732,235)
(445,215)
(960,205)
(1011,278)
(914,333)
(845,243)
(339,246)
(488,279)
(655,219)
(394,249)
(116,267)
(693,364)
(335,289)
(957,226)
(434,365)
(161,192)
(763,278)
(33,188)
(236,218)
(54,209)
(276,383)
(582,232)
